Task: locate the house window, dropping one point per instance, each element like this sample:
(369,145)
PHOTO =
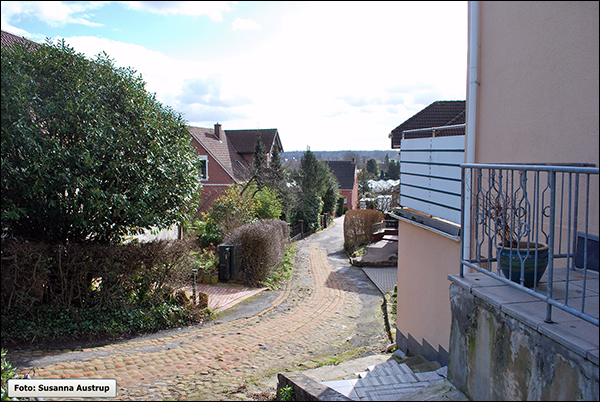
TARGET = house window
(204,167)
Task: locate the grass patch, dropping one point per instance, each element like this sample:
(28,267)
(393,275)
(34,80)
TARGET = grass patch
(336,359)
(284,270)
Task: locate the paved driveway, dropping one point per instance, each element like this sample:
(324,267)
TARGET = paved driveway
(326,312)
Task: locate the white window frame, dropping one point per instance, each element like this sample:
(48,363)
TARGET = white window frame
(205,159)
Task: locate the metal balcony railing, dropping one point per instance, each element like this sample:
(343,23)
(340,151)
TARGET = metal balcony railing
(524,223)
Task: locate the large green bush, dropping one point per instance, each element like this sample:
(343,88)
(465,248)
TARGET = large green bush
(268,205)
(227,212)
(87,153)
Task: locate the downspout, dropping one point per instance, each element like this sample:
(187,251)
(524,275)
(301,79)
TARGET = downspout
(473,83)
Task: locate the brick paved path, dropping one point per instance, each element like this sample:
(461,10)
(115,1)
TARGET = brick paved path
(314,316)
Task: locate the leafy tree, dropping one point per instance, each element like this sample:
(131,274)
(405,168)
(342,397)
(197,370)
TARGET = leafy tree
(363,177)
(394,170)
(309,209)
(259,171)
(268,205)
(340,206)
(226,213)
(316,183)
(276,167)
(314,174)
(279,182)
(331,194)
(372,168)
(87,153)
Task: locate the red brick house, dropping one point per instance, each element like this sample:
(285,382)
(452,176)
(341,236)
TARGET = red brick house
(346,174)
(244,142)
(228,157)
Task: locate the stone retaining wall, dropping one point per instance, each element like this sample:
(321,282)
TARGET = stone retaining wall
(494,357)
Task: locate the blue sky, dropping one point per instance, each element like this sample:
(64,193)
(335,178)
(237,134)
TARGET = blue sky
(327,75)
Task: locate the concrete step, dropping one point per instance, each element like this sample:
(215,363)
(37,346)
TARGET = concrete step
(389,380)
(384,379)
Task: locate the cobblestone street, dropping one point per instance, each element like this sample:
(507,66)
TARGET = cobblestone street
(327,311)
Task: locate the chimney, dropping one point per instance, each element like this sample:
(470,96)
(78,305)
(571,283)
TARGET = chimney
(354,161)
(218,131)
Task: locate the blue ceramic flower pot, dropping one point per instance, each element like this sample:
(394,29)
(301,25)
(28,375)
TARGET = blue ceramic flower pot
(510,259)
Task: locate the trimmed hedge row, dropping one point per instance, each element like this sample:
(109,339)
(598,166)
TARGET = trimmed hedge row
(52,292)
(262,246)
(358,226)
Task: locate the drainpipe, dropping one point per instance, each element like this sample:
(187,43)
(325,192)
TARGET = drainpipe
(473,83)
(473,80)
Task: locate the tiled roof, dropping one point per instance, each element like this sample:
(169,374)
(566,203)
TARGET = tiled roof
(244,140)
(8,39)
(224,152)
(440,113)
(344,173)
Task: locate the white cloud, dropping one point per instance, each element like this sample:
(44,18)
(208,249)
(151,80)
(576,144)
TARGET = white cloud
(213,9)
(327,75)
(189,87)
(54,13)
(241,24)
(208,92)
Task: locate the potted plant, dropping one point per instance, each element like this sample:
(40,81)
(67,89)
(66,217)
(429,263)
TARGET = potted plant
(514,246)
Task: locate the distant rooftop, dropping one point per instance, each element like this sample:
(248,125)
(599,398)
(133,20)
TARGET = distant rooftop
(439,113)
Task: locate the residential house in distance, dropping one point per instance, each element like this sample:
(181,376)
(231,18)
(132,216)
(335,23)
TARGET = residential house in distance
(532,136)
(244,142)
(439,113)
(228,157)
(346,175)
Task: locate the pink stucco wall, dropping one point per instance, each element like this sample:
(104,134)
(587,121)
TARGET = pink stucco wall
(425,259)
(538,103)
(538,82)
(538,98)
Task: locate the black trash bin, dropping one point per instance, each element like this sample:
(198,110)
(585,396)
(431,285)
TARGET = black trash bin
(229,261)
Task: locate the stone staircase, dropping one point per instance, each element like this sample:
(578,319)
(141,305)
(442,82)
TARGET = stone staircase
(397,378)
(390,380)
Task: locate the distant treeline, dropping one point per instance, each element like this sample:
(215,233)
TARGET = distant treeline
(360,156)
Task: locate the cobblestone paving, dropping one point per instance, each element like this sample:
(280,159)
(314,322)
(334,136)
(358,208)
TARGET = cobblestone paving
(314,316)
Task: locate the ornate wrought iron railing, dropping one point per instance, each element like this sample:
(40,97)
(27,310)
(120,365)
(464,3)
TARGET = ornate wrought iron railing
(524,223)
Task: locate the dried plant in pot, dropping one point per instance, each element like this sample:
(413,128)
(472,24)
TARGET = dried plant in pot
(516,251)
